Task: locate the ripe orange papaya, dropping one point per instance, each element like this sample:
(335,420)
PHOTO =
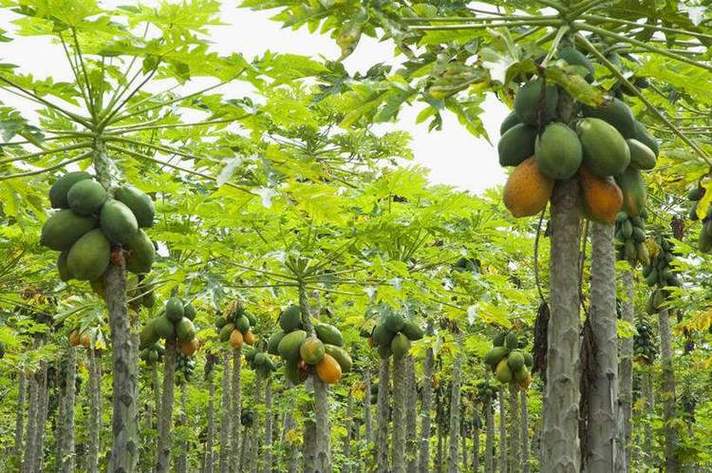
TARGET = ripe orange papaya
(602,197)
(527,190)
(74,339)
(189,348)
(249,337)
(236,339)
(328,369)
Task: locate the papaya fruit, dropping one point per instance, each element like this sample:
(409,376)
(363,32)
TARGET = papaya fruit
(117,221)
(641,156)
(74,338)
(242,323)
(574,57)
(533,101)
(249,352)
(312,350)
(249,337)
(328,370)
(520,375)
(382,336)
(293,373)
(527,190)
(236,339)
(515,360)
(174,309)
(290,344)
(602,198)
(188,310)
(495,355)
(62,229)
(164,328)
(188,348)
(705,241)
(226,331)
(148,335)
(605,152)
(516,145)
(185,330)
(86,197)
(251,318)
(503,373)
(498,340)
(220,322)
(400,345)
(393,321)
(511,341)
(141,254)
(635,195)
(558,151)
(85,340)
(89,256)
(58,191)
(528,360)
(412,330)
(327,333)
(273,343)
(62,269)
(643,135)
(140,204)
(508,122)
(616,113)
(260,359)
(340,355)
(290,319)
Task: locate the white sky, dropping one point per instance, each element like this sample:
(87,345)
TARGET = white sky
(453,156)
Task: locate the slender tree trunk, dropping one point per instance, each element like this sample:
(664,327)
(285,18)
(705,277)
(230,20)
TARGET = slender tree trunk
(411,410)
(489,438)
(349,421)
(503,464)
(323,432)
(453,466)
(648,393)
(226,418)
(267,448)
(524,431)
(210,440)
(20,413)
(290,459)
(426,406)
(250,461)
(602,395)
(236,410)
(476,424)
(94,416)
(309,446)
(31,432)
(625,379)
(560,449)
(43,401)
(514,430)
(383,416)
(368,423)
(668,393)
(166,417)
(66,463)
(398,416)
(182,459)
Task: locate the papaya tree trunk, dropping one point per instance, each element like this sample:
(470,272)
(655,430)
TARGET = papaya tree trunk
(383,414)
(323,433)
(524,431)
(309,445)
(440,424)
(20,414)
(463,439)
(251,461)
(182,458)
(560,442)
(602,395)
(625,379)
(411,411)
(210,438)
(426,406)
(489,437)
(348,438)
(267,447)
(514,430)
(225,418)
(668,393)
(503,464)
(648,394)
(165,419)
(290,452)
(236,410)
(43,401)
(66,460)
(94,416)
(32,413)
(398,416)
(367,421)
(452,461)
(475,441)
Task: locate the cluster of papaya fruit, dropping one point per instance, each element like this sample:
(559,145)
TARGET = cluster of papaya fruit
(152,354)
(393,334)
(644,343)
(321,352)
(509,364)
(659,273)
(630,239)
(78,338)
(260,361)
(694,196)
(185,365)
(175,324)
(235,326)
(605,146)
(90,221)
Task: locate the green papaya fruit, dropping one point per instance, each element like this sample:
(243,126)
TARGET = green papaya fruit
(382,336)
(58,191)
(291,318)
(329,334)
(520,375)
(341,356)
(412,330)
(149,299)
(164,328)
(635,194)
(509,121)
(312,350)
(141,254)
(251,318)
(511,341)
(289,345)
(558,151)
(89,256)
(86,197)
(62,229)
(400,345)
(225,332)
(534,100)
(220,322)
(495,355)
(616,113)
(638,234)
(242,323)
(516,145)
(498,339)
(140,204)
(185,330)
(515,360)
(642,135)
(574,57)
(528,360)
(393,321)
(503,373)
(174,309)
(189,311)
(260,359)
(148,335)
(117,221)
(605,152)
(273,344)
(293,373)
(62,268)
(641,156)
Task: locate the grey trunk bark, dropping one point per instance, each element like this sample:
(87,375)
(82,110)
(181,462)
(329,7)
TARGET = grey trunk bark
(368,423)
(94,416)
(182,459)
(309,445)
(323,432)
(600,454)
(66,460)
(165,419)
(525,431)
(225,417)
(514,430)
(267,448)
(42,418)
(649,395)
(349,421)
(668,393)
(210,440)
(625,379)
(20,413)
(236,410)
(30,435)
(290,456)
(426,406)
(411,410)
(489,438)
(475,442)
(503,464)
(398,417)
(452,461)
(560,449)
(383,414)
